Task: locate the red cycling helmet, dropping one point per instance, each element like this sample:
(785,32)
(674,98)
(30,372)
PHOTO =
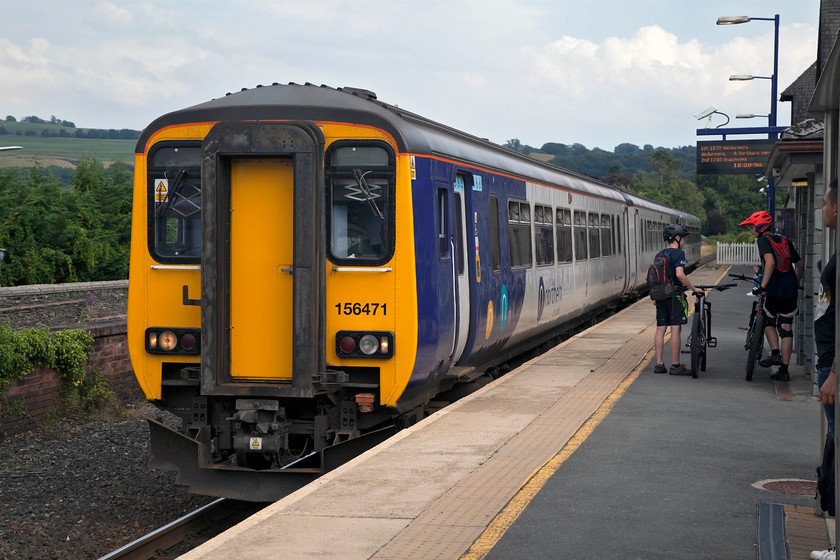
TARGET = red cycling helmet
(761,220)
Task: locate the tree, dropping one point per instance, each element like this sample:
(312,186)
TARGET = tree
(10,118)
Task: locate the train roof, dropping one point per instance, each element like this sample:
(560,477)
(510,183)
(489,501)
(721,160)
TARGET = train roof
(413,133)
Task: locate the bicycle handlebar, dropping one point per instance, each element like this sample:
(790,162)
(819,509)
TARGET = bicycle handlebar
(718,287)
(741,277)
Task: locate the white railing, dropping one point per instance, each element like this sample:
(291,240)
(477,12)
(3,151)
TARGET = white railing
(737,253)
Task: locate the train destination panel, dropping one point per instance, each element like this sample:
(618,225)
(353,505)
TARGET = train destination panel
(732,157)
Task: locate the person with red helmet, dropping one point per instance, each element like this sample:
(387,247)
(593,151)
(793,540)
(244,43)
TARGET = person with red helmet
(783,268)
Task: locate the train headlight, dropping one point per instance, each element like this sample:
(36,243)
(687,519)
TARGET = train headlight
(364,344)
(168,341)
(162,340)
(368,344)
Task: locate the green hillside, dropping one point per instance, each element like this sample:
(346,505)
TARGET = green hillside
(45,145)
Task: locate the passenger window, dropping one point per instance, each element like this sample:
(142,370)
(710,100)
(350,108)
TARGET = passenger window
(544,234)
(581,253)
(594,237)
(564,235)
(174,175)
(459,233)
(606,236)
(519,233)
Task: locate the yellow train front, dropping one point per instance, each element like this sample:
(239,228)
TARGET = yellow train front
(265,290)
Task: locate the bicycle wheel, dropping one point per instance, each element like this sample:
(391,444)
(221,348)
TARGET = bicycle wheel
(756,345)
(703,346)
(695,343)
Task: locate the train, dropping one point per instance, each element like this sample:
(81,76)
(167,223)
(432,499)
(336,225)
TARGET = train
(310,267)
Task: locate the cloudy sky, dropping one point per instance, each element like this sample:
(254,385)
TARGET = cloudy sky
(594,72)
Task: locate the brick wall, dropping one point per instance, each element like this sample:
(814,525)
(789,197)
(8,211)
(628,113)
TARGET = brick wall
(101,307)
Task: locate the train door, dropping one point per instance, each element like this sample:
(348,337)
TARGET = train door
(631,250)
(262,259)
(261,251)
(462,314)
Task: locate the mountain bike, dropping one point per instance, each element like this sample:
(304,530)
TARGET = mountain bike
(701,337)
(754,343)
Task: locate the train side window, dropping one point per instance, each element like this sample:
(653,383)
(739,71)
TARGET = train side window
(360,198)
(564,235)
(443,238)
(581,254)
(174,179)
(606,235)
(495,243)
(594,236)
(544,234)
(519,233)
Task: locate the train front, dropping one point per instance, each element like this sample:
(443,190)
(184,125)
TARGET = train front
(263,306)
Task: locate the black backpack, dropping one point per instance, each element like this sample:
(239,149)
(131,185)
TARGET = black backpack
(825,477)
(661,277)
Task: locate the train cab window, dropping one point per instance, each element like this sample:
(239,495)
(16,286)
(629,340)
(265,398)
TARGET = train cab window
(544,234)
(360,197)
(594,236)
(606,235)
(581,254)
(495,244)
(519,233)
(174,179)
(564,235)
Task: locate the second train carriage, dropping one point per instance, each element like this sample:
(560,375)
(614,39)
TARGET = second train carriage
(310,265)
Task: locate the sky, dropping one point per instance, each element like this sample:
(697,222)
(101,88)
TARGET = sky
(593,72)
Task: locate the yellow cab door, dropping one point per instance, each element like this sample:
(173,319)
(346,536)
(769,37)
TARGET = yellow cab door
(261,272)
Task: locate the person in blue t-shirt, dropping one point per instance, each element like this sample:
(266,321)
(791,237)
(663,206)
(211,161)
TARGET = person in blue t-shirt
(673,313)
(782,301)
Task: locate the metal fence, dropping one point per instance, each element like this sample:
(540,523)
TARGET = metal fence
(737,253)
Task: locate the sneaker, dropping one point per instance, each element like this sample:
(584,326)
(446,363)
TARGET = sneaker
(678,369)
(830,554)
(781,375)
(660,368)
(771,360)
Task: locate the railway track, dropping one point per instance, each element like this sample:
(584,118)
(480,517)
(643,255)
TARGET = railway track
(187,532)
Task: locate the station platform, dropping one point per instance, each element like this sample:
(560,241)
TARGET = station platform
(582,452)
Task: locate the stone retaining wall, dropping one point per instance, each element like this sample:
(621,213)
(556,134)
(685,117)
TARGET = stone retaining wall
(97,307)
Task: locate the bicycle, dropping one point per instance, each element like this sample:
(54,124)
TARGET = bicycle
(754,343)
(701,337)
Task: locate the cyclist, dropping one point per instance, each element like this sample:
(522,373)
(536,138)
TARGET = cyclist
(783,268)
(674,312)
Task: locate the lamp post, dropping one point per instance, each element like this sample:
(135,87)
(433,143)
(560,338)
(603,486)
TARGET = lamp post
(774,89)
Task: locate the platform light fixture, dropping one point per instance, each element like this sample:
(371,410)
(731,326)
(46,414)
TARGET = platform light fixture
(774,86)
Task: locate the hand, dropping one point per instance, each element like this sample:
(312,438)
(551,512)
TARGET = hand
(827,390)
(758,290)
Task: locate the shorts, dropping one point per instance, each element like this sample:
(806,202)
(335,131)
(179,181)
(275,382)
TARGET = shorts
(673,312)
(776,305)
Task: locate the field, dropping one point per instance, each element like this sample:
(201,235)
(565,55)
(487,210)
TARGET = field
(63,152)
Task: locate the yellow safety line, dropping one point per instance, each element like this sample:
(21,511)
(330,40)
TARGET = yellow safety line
(502,522)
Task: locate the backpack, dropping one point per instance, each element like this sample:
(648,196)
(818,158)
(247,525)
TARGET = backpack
(781,250)
(825,478)
(660,277)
